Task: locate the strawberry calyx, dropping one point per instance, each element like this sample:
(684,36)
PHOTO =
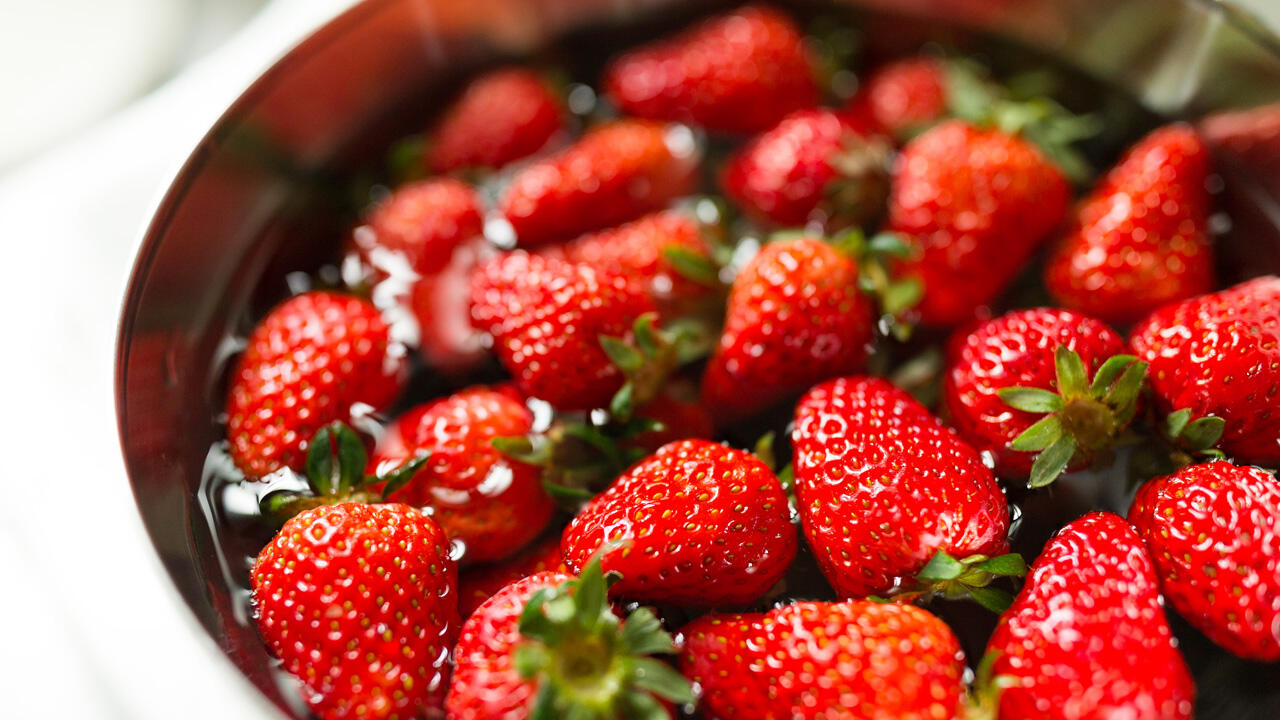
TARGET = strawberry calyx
(335,473)
(896,297)
(963,578)
(859,192)
(983,702)
(1193,440)
(586,662)
(973,96)
(648,359)
(1082,419)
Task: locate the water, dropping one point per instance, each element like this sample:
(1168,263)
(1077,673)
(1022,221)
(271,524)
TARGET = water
(228,507)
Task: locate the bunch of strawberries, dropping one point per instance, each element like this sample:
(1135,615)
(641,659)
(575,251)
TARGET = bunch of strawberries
(570,540)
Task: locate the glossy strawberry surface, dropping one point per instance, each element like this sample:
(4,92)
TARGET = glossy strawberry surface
(305,365)
(883,485)
(638,250)
(1087,638)
(903,95)
(417,228)
(486,683)
(695,523)
(360,603)
(1141,239)
(546,317)
(739,72)
(975,205)
(491,504)
(1213,531)
(1015,350)
(501,116)
(795,317)
(815,164)
(818,660)
(615,172)
(1219,354)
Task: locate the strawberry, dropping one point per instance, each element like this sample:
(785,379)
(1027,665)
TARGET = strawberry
(549,646)
(546,317)
(695,523)
(795,317)
(1213,531)
(884,488)
(479,583)
(501,116)
(1218,355)
(815,660)
(417,228)
(903,96)
(360,603)
(681,414)
(491,504)
(653,251)
(813,165)
(306,364)
(737,73)
(974,204)
(613,173)
(1087,638)
(1141,238)
(441,304)
(1041,379)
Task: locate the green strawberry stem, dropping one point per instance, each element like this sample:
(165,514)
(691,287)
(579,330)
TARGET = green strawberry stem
(335,464)
(964,578)
(875,257)
(1083,418)
(587,663)
(984,696)
(1193,440)
(647,361)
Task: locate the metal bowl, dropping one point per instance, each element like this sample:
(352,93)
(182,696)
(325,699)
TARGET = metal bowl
(263,195)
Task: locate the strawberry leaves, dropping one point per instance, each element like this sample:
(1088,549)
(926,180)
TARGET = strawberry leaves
(969,577)
(1082,418)
(1195,438)
(586,662)
(335,473)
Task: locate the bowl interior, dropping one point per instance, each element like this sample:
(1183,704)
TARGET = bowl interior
(273,187)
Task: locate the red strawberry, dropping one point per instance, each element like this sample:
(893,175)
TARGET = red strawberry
(501,116)
(695,523)
(739,73)
(642,250)
(1219,355)
(818,660)
(883,487)
(681,414)
(1141,238)
(903,96)
(306,364)
(795,317)
(477,584)
(441,304)
(491,504)
(1041,379)
(813,165)
(546,317)
(518,659)
(613,173)
(1213,531)
(415,231)
(1087,638)
(360,603)
(975,204)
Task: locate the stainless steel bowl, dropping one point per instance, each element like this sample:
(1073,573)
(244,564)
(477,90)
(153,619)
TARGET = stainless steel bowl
(262,195)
